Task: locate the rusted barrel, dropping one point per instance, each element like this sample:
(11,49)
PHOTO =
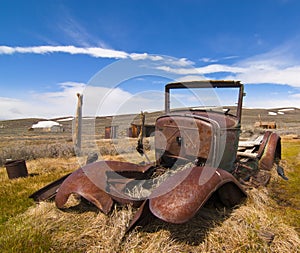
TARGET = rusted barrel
(16,169)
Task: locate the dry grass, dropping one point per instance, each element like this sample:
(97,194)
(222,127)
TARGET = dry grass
(84,229)
(31,152)
(259,225)
(255,226)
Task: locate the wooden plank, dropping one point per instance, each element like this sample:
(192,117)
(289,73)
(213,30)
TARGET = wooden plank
(247,154)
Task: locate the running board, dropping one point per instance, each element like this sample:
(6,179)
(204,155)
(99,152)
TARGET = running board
(49,191)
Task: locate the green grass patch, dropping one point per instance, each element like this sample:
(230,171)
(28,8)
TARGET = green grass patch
(19,232)
(14,192)
(286,193)
(19,235)
(13,198)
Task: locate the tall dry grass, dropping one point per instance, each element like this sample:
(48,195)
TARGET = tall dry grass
(252,227)
(258,225)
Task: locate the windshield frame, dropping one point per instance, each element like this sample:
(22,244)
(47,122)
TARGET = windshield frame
(206,84)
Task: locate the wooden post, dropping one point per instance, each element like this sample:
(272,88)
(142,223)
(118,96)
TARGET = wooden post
(260,122)
(78,125)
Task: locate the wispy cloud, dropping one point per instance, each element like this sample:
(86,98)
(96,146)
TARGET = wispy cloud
(211,60)
(74,31)
(278,66)
(212,68)
(208,60)
(268,74)
(144,56)
(97,52)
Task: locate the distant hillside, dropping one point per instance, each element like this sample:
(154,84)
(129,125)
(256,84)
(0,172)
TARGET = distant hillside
(287,121)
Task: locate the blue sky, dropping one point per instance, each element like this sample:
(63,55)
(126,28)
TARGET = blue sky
(50,50)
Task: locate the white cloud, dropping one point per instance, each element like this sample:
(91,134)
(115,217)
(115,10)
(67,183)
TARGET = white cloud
(144,56)
(42,105)
(96,101)
(97,52)
(279,66)
(76,31)
(271,103)
(268,74)
(208,60)
(230,57)
(114,101)
(211,60)
(104,101)
(182,62)
(67,89)
(296,96)
(11,108)
(191,78)
(209,69)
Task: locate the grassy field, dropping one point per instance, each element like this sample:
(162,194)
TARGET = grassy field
(267,222)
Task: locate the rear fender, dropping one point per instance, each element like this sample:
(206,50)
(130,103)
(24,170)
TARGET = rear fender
(271,152)
(182,202)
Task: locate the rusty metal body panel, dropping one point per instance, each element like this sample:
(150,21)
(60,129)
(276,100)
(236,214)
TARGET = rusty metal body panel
(176,135)
(217,138)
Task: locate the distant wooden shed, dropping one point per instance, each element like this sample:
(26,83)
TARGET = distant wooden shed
(135,130)
(111,132)
(265,124)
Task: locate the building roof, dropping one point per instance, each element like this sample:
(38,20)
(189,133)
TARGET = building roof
(45,124)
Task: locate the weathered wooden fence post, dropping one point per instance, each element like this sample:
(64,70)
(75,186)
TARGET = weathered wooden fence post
(78,125)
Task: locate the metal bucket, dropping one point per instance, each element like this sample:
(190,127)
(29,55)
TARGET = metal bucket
(16,169)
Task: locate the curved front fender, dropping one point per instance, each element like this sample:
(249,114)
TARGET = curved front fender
(92,180)
(80,184)
(182,202)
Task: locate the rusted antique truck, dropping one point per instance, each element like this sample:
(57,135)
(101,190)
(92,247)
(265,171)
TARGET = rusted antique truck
(198,154)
